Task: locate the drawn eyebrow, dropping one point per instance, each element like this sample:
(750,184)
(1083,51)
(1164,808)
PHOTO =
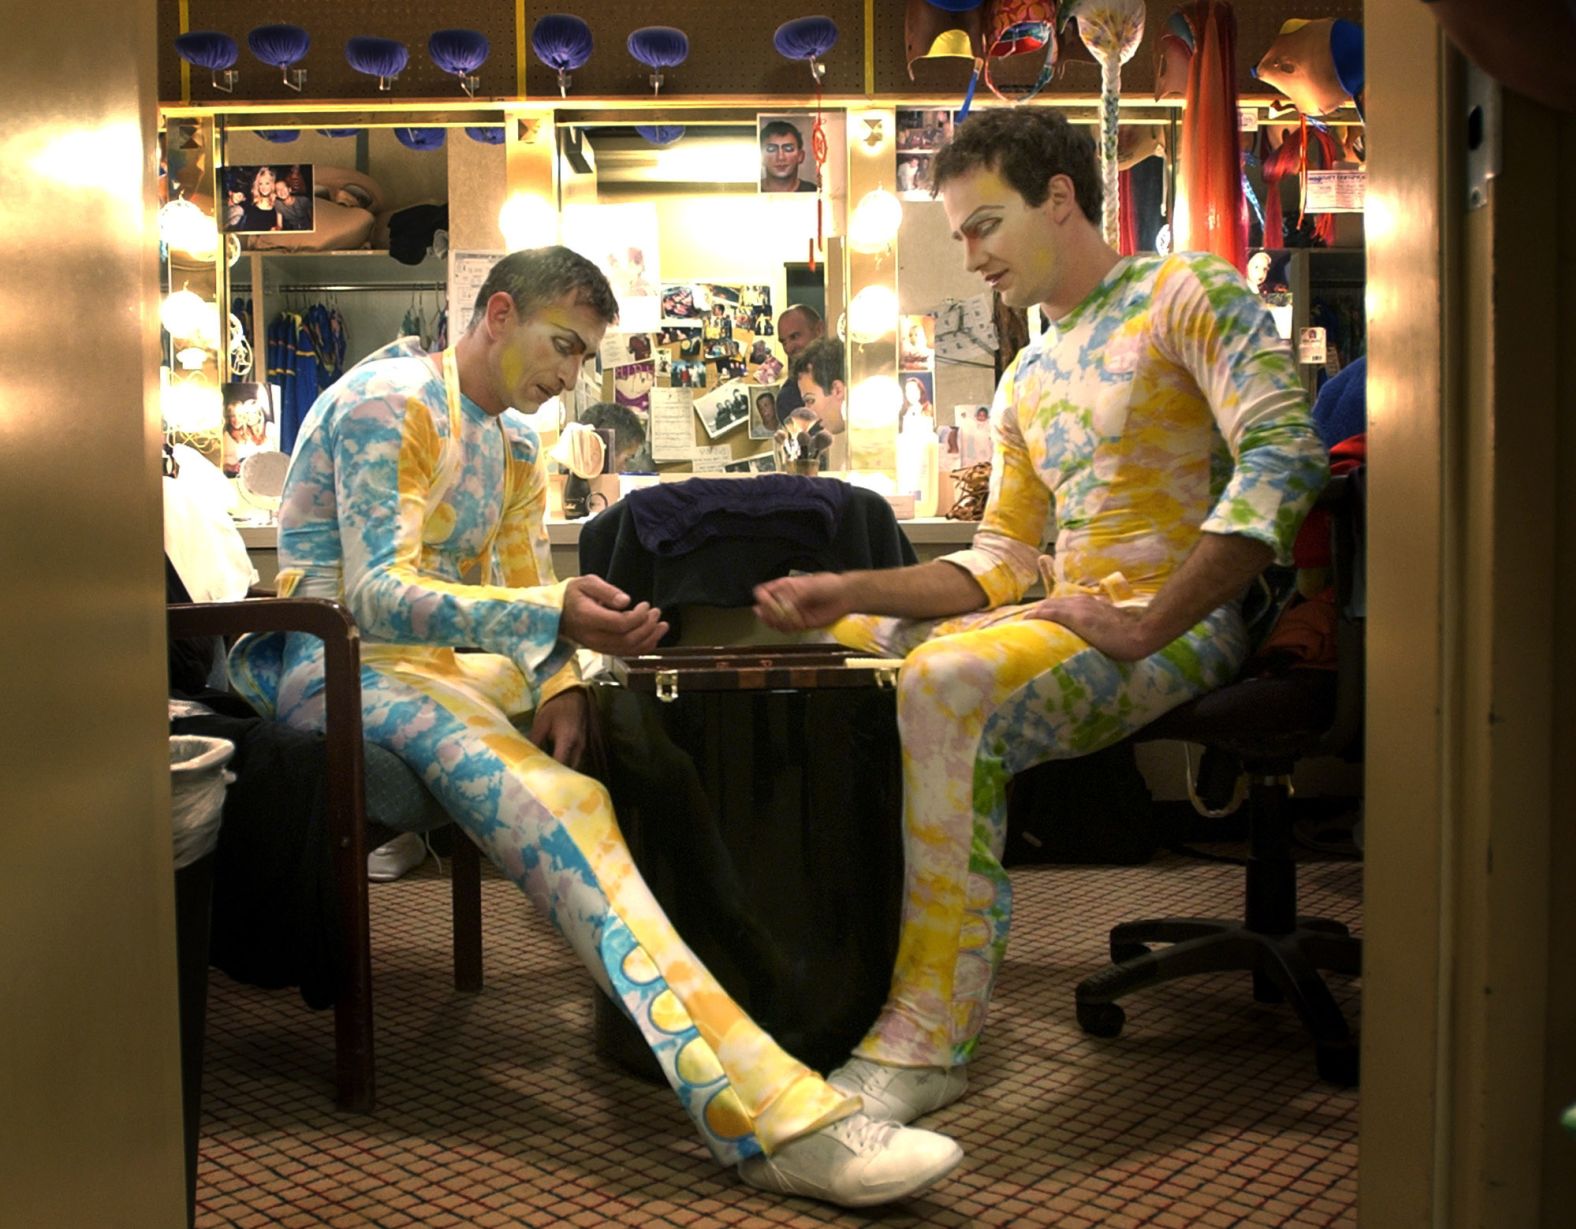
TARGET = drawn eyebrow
(991,210)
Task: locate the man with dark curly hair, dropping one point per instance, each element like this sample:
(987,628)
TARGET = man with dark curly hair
(1160,415)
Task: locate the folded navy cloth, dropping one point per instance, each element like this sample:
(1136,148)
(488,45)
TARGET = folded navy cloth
(676,517)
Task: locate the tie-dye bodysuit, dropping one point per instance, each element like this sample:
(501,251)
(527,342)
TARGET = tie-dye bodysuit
(395,493)
(1162,407)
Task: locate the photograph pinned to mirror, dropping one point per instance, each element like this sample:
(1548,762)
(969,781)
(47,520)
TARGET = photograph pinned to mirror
(787,144)
(725,409)
(923,130)
(621,349)
(262,198)
(621,240)
(764,422)
(682,302)
(687,373)
(917,343)
(919,397)
(974,434)
(250,425)
(914,177)
(760,463)
(683,340)
(632,384)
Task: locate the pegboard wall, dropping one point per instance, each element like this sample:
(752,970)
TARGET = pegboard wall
(731,50)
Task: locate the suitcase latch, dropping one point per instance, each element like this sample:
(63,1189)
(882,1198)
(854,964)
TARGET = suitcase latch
(667,686)
(883,668)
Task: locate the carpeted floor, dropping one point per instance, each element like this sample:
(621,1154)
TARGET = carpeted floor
(495,1111)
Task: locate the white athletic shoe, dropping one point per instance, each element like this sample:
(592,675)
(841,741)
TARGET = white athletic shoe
(899,1094)
(394,858)
(855,1162)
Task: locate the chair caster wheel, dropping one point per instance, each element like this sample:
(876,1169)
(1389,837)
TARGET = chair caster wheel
(1101,1019)
(1123,952)
(1337,1063)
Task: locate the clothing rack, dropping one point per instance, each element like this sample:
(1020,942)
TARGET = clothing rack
(338,287)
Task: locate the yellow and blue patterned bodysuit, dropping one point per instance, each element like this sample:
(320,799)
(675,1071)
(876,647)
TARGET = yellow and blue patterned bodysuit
(399,489)
(1162,407)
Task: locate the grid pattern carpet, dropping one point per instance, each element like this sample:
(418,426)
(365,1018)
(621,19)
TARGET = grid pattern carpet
(494,1109)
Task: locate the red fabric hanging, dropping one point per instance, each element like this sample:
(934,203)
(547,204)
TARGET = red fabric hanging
(1209,169)
(1127,236)
(1293,155)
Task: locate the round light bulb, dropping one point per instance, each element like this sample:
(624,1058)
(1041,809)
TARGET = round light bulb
(186,228)
(872,314)
(876,400)
(191,358)
(183,314)
(875,221)
(527,221)
(192,407)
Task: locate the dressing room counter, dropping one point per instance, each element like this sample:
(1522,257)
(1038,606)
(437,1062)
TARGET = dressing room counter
(932,536)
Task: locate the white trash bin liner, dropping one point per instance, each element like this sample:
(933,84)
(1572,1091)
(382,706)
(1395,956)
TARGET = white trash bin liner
(197,782)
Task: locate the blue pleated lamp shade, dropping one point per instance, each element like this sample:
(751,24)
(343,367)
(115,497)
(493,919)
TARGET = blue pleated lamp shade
(487,136)
(208,49)
(661,134)
(279,45)
(336,132)
(659,47)
(805,38)
(421,138)
(383,58)
(561,41)
(279,136)
(460,52)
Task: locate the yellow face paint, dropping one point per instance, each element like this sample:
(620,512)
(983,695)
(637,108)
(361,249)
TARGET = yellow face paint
(539,357)
(1009,243)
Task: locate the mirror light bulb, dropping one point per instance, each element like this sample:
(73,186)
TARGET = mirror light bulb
(874,224)
(872,314)
(527,221)
(183,314)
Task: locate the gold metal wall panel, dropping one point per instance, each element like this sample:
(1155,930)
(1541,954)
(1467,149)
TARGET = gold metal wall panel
(731,49)
(329,75)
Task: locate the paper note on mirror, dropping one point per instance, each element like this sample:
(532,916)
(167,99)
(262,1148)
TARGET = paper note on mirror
(966,331)
(672,430)
(712,458)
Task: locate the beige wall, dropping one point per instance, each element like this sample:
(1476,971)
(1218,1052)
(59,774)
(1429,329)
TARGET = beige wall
(90,1126)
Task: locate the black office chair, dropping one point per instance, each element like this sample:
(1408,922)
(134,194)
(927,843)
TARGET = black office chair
(1267,725)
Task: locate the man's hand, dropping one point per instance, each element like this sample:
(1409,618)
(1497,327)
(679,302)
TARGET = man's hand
(1120,633)
(798,603)
(596,616)
(559,727)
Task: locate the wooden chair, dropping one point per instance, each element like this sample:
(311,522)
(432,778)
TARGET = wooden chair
(347,822)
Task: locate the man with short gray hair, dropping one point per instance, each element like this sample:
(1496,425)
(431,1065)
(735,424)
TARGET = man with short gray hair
(416,496)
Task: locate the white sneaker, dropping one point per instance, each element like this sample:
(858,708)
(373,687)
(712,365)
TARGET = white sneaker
(393,858)
(855,1163)
(899,1094)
